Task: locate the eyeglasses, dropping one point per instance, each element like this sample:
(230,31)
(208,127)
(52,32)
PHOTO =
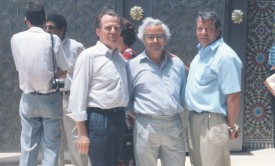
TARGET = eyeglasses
(159,37)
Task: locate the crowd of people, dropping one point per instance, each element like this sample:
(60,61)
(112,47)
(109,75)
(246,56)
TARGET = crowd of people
(106,90)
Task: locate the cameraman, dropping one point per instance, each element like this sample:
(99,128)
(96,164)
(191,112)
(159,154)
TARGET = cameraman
(40,106)
(57,25)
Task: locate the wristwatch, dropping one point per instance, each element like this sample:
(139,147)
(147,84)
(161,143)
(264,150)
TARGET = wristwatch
(235,128)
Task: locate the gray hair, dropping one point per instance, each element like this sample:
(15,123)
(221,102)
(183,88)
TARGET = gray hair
(152,22)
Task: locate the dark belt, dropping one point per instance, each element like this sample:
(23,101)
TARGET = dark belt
(65,92)
(105,111)
(206,112)
(38,93)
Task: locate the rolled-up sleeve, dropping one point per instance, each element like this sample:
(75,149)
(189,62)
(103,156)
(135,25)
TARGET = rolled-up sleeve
(80,88)
(79,116)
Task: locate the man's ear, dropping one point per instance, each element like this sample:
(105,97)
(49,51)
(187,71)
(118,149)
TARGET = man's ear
(97,31)
(27,22)
(219,32)
(63,31)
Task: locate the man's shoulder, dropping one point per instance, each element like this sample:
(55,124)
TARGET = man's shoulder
(136,60)
(20,34)
(225,53)
(92,52)
(75,43)
(29,36)
(225,50)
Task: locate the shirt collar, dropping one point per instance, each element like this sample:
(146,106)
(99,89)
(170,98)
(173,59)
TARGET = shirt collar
(36,29)
(107,51)
(65,40)
(143,58)
(213,45)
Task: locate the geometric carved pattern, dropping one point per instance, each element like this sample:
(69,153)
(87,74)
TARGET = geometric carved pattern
(257,57)
(258,122)
(258,114)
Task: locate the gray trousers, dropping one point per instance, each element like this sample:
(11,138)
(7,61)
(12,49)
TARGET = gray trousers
(41,118)
(208,139)
(159,137)
(69,135)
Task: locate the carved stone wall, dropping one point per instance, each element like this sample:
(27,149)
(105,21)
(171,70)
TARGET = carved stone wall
(258,116)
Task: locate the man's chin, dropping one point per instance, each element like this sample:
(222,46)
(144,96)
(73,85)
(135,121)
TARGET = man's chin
(112,45)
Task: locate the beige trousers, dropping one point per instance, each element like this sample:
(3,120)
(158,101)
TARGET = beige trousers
(208,139)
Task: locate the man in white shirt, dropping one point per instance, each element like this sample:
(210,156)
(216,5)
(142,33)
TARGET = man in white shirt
(99,94)
(56,24)
(40,105)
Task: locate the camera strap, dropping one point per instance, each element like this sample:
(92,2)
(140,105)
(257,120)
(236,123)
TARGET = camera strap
(54,63)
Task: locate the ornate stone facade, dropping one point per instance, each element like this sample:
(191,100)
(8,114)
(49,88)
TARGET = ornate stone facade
(258,117)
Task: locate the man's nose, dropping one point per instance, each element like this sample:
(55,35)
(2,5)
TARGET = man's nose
(203,30)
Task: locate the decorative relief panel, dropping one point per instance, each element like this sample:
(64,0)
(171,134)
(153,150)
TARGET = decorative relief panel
(258,116)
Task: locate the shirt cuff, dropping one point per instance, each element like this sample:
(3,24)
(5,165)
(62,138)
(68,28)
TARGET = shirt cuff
(80,116)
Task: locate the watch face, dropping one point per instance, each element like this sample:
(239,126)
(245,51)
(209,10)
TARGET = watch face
(235,128)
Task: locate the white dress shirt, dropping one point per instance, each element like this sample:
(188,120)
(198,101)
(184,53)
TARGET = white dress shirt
(32,53)
(72,49)
(99,81)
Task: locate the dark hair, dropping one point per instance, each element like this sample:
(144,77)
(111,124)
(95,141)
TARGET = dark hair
(211,15)
(59,20)
(105,12)
(35,13)
(128,32)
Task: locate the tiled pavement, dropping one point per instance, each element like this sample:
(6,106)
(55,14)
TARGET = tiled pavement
(261,157)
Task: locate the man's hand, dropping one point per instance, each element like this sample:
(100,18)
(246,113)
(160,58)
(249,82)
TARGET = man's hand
(83,143)
(233,135)
(234,132)
(130,120)
(61,74)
